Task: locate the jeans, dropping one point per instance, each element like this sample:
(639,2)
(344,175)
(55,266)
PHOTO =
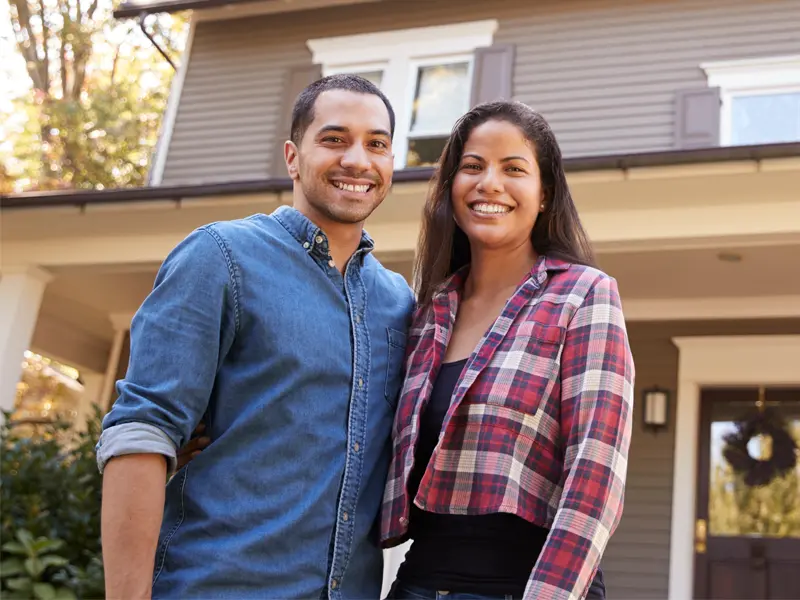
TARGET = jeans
(400,591)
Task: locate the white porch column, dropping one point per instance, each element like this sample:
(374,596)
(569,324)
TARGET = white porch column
(21,291)
(122,325)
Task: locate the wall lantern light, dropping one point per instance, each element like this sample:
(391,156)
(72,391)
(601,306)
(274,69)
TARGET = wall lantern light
(656,408)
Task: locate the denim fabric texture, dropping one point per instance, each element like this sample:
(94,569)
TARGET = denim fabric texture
(295,370)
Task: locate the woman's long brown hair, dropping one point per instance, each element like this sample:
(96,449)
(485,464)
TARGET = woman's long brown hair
(444,248)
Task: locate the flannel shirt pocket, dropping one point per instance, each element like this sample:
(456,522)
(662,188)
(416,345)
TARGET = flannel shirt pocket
(526,370)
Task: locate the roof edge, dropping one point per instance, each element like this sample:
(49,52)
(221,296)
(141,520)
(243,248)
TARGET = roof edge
(128,10)
(274,185)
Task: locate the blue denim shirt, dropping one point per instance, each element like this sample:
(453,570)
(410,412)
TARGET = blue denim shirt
(296,371)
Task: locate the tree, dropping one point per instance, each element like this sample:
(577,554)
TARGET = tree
(98,89)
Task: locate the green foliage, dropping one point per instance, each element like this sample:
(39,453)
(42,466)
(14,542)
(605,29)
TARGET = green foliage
(50,493)
(98,90)
(24,574)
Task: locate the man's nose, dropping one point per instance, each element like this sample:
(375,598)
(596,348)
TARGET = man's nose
(356,159)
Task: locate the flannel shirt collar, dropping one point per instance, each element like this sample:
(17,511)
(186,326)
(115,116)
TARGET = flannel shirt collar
(541,267)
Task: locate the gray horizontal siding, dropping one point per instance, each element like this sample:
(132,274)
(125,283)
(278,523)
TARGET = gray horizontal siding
(603,72)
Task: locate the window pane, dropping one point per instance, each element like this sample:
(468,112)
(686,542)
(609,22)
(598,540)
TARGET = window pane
(425,152)
(441,97)
(375,77)
(764,119)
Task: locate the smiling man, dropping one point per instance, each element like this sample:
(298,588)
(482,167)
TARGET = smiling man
(286,337)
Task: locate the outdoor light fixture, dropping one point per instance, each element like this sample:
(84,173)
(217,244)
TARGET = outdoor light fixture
(656,408)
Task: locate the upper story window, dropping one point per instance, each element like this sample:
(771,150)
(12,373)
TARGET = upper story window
(760,99)
(425,72)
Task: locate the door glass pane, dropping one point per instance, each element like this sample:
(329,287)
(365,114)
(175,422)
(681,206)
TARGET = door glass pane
(765,118)
(739,508)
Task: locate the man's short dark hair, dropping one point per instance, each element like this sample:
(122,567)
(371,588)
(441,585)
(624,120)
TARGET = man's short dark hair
(303,111)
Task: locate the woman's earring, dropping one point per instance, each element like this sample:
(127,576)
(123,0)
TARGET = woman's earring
(541,207)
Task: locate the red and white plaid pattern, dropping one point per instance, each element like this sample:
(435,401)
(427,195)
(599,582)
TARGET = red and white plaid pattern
(539,424)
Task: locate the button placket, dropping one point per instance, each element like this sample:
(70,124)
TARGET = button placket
(356,431)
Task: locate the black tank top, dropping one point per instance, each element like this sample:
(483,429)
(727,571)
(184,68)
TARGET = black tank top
(490,554)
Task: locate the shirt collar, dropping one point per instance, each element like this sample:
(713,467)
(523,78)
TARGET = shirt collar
(539,271)
(307,233)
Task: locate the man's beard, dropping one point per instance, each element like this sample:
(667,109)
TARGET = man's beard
(325,199)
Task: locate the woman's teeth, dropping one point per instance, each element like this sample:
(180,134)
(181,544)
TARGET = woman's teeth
(352,188)
(489,209)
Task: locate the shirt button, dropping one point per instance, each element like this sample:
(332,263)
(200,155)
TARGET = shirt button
(345,517)
(318,239)
(306,245)
(356,447)
(334,584)
(358,318)
(360,382)
(331,264)
(403,520)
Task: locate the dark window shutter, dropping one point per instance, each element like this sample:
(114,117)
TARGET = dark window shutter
(493,74)
(297,78)
(697,116)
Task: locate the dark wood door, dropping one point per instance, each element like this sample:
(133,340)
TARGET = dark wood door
(747,536)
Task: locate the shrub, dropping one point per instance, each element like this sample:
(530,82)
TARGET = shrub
(50,523)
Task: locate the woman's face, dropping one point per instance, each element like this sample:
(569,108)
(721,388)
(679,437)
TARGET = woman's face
(497,192)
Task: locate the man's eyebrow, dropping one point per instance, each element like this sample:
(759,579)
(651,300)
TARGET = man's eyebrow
(343,129)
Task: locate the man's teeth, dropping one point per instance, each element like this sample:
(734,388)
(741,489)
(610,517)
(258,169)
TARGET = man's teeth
(351,188)
(485,207)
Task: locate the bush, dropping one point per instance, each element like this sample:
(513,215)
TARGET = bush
(50,494)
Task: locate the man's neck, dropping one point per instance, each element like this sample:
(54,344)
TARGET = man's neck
(343,238)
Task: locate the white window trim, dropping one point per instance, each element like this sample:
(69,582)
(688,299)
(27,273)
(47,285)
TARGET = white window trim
(774,75)
(398,53)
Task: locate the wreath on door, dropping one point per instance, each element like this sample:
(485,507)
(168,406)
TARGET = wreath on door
(759,472)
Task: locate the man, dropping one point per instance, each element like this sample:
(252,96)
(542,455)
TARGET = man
(285,336)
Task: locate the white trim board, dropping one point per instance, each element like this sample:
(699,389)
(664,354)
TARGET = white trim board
(712,309)
(705,361)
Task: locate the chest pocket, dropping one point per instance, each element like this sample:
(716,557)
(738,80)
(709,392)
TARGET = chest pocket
(394,364)
(531,357)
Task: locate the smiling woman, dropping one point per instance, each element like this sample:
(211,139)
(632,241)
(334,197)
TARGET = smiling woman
(517,427)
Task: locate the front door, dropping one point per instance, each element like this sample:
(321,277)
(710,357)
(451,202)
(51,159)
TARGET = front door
(747,531)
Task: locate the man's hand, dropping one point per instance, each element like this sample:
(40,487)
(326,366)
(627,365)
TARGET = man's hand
(194,447)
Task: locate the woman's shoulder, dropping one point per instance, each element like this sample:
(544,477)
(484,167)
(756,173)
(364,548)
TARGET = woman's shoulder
(579,275)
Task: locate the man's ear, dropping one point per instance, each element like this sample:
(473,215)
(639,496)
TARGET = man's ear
(291,156)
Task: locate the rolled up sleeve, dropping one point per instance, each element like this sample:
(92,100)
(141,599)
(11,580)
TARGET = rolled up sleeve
(179,338)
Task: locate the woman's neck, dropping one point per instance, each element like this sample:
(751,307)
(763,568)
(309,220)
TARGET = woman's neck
(496,272)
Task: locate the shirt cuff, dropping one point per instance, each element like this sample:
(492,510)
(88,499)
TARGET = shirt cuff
(135,438)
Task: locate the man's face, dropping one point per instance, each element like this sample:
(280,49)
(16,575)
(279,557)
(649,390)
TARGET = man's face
(344,164)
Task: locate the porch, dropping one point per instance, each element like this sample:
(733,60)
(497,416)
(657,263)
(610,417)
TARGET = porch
(704,254)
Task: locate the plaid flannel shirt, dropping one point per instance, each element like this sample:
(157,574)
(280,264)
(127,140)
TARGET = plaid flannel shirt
(539,424)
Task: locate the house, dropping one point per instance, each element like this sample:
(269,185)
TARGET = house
(680,124)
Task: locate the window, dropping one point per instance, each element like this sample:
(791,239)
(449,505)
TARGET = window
(425,72)
(760,100)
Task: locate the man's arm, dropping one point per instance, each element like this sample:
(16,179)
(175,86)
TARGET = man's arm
(133,501)
(179,337)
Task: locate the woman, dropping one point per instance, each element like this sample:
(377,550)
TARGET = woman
(513,425)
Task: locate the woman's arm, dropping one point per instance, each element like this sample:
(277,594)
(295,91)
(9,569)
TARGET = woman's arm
(597,377)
